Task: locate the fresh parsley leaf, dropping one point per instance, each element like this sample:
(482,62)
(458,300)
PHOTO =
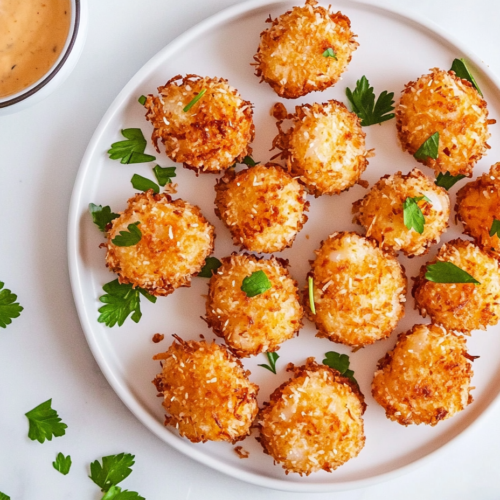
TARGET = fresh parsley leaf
(116,493)
(142,100)
(495,228)
(329,53)
(460,68)
(429,149)
(131,150)
(272,358)
(310,283)
(114,469)
(339,362)
(142,184)
(447,272)
(121,300)
(9,308)
(211,265)
(248,160)
(256,283)
(195,100)
(44,422)
(412,214)
(447,180)
(164,175)
(102,216)
(62,463)
(3,496)
(362,102)
(128,238)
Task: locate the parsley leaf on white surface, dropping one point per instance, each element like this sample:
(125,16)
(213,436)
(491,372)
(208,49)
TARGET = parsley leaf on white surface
(447,180)
(44,423)
(116,493)
(164,174)
(102,216)
(272,358)
(339,362)
(3,496)
(132,149)
(9,308)
(114,469)
(62,463)
(143,184)
(460,68)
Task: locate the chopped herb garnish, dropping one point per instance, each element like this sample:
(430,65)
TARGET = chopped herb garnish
(62,463)
(429,149)
(142,100)
(211,265)
(9,308)
(447,180)
(142,184)
(116,493)
(447,272)
(310,282)
(164,175)
(44,422)
(102,216)
(272,358)
(248,160)
(339,362)
(114,469)
(256,283)
(362,102)
(131,150)
(195,100)
(128,238)
(460,68)
(121,300)
(329,53)
(412,214)
(495,228)
(3,496)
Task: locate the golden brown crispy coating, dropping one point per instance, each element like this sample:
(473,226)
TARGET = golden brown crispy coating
(262,206)
(176,239)
(359,290)
(290,55)
(213,134)
(324,147)
(206,391)
(314,421)
(478,205)
(425,378)
(461,307)
(251,325)
(442,102)
(381,212)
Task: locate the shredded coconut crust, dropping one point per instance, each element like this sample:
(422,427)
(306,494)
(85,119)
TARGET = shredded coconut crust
(442,102)
(263,207)
(425,378)
(251,325)
(381,213)
(478,204)
(359,290)
(324,147)
(314,421)
(290,55)
(212,135)
(176,239)
(461,307)
(206,391)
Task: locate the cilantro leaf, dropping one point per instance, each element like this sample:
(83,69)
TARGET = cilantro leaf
(310,284)
(362,102)
(121,300)
(62,463)
(429,149)
(495,227)
(248,160)
(211,265)
(460,68)
(44,422)
(142,184)
(142,100)
(447,272)
(128,238)
(272,358)
(255,284)
(101,216)
(3,496)
(131,150)
(9,308)
(116,493)
(412,214)
(164,175)
(447,180)
(329,53)
(114,469)
(339,362)
(194,100)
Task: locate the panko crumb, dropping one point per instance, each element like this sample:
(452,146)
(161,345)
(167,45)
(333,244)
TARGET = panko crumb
(241,452)
(158,337)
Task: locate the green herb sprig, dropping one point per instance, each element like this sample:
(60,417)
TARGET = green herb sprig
(130,237)
(413,217)
(460,68)
(164,174)
(3,496)
(447,272)
(329,52)
(132,149)
(143,184)
(429,149)
(256,284)
(194,100)
(44,423)
(495,228)
(62,464)
(272,358)
(339,362)
(447,180)
(210,267)
(310,284)
(114,469)
(9,308)
(102,216)
(116,493)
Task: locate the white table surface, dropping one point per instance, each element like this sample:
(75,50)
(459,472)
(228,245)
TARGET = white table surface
(43,354)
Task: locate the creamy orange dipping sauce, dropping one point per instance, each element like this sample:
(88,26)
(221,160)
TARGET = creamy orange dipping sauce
(32,35)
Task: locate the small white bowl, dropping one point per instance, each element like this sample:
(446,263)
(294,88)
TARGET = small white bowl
(59,71)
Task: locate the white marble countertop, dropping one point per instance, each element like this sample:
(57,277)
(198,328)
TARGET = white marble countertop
(43,354)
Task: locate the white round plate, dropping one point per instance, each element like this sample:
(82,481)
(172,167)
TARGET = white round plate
(394,49)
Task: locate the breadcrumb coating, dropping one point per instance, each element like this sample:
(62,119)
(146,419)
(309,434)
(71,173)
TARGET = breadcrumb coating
(324,147)
(359,290)
(425,378)
(251,325)
(381,212)
(461,307)
(206,391)
(176,239)
(442,102)
(478,205)
(290,55)
(263,207)
(212,135)
(314,421)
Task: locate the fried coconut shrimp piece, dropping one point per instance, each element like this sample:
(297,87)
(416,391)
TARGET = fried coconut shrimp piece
(262,206)
(381,212)
(461,307)
(251,325)
(314,421)
(478,205)
(210,136)
(325,147)
(425,378)
(175,240)
(206,392)
(441,102)
(359,290)
(293,53)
